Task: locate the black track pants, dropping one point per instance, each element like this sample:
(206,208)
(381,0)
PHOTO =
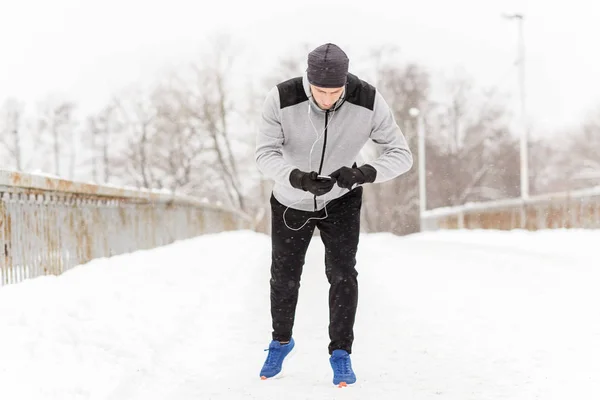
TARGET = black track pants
(339,233)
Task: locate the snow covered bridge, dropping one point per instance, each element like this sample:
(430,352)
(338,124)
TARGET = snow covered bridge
(462,315)
(455,314)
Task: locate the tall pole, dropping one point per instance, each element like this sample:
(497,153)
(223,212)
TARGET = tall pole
(414,112)
(422,169)
(523,119)
(524,133)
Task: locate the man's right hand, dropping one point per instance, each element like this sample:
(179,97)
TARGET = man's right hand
(309,182)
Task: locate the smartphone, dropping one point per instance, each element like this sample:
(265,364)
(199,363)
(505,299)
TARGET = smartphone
(324,177)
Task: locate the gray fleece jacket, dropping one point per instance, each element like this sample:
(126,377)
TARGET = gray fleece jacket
(296,133)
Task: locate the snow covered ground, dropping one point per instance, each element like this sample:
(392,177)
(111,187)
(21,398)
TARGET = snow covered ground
(442,315)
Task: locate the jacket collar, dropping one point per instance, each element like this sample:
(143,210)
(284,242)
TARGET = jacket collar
(350,86)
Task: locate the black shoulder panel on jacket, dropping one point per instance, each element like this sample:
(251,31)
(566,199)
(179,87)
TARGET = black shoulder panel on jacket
(360,93)
(291,92)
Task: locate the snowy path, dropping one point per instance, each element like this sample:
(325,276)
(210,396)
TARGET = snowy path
(445,315)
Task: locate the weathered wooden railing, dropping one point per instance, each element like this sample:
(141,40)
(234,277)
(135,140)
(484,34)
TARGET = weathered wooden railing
(49,225)
(576,209)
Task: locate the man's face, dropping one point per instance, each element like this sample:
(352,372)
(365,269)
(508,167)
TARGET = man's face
(326,97)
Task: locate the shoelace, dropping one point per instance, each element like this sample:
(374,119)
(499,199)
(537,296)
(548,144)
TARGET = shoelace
(273,355)
(343,366)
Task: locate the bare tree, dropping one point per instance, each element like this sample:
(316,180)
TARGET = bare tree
(57,123)
(167,145)
(394,206)
(93,130)
(137,113)
(582,158)
(182,149)
(207,97)
(551,165)
(11,121)
(100,134)
(475,155)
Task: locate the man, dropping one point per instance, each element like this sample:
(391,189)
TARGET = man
(312,131)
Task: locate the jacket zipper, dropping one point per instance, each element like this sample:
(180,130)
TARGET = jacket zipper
(322,154)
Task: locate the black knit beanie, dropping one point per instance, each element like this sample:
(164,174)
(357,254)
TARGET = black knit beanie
(327,66)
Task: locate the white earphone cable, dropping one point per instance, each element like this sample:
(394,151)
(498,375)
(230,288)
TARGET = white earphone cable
(319,136)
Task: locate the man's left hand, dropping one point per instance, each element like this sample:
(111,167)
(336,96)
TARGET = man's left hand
(348,177)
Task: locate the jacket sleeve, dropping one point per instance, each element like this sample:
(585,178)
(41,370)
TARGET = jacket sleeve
(269,142)
(395,157)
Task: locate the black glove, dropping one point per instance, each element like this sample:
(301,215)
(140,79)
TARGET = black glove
(309,182)
(348,177)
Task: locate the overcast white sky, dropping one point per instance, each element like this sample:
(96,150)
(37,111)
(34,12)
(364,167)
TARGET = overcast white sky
(87,49)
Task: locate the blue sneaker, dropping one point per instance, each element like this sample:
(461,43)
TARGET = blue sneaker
(277,352)
(342,368)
